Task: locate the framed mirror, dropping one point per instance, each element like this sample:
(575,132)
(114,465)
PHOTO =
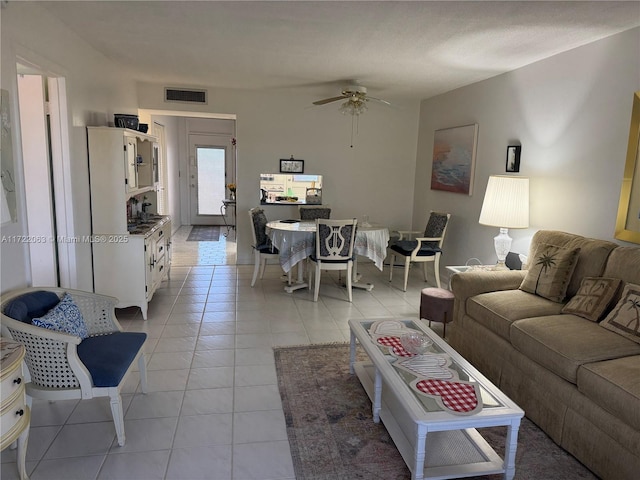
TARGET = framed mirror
(8,202)
(628,219)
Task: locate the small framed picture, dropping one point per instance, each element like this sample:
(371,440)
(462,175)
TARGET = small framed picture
(513,158)
(290,165)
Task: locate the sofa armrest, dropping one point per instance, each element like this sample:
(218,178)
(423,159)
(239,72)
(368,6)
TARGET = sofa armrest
(469,284)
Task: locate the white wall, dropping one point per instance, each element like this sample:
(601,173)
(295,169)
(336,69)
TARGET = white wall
(96,90)
(375,177)
(571,114)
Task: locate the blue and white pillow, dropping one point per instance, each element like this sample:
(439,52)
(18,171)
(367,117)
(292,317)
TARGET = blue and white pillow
(64,317)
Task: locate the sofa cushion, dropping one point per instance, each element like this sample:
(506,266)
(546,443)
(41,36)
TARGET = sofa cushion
(593,298)
(562,343)
(64,317)
(497,310)
(591,260)
(624,263)
(615,386)
(625,316)
(550,270)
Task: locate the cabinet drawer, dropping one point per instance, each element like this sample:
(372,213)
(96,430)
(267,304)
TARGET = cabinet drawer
(11,383)
(13,413)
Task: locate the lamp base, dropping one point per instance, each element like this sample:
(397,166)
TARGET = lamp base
(502,244)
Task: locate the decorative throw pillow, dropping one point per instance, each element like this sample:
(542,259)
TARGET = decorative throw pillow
(593,298)
(64,317)
(549,272)
(625,316)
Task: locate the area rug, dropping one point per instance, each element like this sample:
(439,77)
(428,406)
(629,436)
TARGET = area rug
(333,437)
(204,233)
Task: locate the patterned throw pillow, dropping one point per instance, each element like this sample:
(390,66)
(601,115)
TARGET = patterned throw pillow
(625,316)
(593,298)
(64,317)
(549,272)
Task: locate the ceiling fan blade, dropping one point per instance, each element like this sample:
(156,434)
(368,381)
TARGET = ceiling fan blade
(329,100)
(378,100)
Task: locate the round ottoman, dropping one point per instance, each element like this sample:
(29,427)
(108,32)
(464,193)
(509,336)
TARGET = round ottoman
(436,304)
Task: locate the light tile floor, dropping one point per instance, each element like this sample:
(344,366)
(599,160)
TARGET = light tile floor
(213,409)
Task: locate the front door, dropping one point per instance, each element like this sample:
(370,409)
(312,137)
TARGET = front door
(209,165)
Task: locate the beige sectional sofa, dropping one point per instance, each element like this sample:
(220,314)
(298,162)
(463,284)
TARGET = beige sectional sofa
(576,379)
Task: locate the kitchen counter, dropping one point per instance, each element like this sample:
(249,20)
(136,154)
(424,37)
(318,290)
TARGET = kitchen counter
(148,227)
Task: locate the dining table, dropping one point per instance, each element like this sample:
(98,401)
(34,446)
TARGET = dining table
(296,240)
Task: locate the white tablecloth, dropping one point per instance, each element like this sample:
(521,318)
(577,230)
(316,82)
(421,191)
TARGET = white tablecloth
(296,241)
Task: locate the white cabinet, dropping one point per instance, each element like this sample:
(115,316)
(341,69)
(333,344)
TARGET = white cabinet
(15,415)
(132,267)
(131,164)
(123,164)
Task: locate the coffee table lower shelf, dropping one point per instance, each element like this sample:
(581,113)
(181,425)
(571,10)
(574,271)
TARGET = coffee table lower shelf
(448,454)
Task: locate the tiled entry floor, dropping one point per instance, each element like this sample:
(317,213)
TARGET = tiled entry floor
(222,252)
(213,410)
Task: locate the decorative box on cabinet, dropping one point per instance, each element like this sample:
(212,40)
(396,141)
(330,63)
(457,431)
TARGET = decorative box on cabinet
(15,415)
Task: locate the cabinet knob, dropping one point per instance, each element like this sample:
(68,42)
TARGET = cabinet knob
(17,381)
(20,412)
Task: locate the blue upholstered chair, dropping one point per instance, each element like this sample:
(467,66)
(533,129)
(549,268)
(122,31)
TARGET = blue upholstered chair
(91,362)
(427,248)
(334,250)
(263,249)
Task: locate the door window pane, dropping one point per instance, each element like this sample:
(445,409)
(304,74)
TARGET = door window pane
(211,188)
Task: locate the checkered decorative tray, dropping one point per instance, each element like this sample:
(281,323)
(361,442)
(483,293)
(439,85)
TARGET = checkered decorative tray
(434,378)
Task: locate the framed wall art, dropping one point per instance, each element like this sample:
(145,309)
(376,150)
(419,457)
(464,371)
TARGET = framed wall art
(513,158)
(454,157)
(628,219)
(289,165)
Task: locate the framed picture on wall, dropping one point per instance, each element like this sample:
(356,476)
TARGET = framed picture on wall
(513,158)
(454,158)
(289,165)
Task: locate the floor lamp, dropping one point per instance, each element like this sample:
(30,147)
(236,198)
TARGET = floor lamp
(505,205)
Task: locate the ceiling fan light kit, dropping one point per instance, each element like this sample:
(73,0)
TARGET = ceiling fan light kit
(356,100)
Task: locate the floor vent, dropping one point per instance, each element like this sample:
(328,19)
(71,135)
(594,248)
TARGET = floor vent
(185,95)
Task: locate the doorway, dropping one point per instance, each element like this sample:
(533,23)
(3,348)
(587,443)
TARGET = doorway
(45,149)
(210,170)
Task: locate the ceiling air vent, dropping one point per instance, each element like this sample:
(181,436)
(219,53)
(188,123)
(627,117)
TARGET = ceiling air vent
(185,95)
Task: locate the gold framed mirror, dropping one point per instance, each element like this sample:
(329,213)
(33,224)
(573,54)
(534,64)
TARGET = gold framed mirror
(628,219)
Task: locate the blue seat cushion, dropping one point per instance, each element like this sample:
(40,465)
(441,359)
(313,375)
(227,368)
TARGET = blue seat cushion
(31,305)
(405,247)
(267,248)
(107,357)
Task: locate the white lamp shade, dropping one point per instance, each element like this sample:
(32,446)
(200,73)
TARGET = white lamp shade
(506,202)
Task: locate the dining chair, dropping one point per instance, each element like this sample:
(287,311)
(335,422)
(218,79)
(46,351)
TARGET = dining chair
(334,250)
(308,212)
(75,347)
(263,249)
(425,249)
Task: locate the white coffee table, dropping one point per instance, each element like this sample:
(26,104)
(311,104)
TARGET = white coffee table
(434,442)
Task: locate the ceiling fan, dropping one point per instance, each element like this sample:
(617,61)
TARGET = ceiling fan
(356,99)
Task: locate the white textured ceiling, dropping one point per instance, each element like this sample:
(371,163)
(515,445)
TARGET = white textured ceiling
(397,49)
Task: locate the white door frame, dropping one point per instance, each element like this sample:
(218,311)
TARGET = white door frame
(206,140)
(55,263)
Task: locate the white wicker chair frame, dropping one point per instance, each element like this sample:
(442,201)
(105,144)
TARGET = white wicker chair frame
(55,370)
